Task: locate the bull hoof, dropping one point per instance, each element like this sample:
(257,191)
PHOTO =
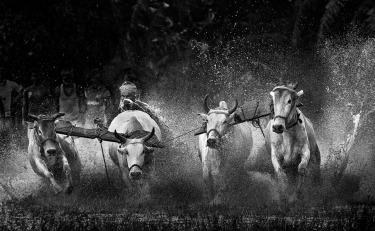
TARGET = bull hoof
(57,189)
(216,201)
(69,190)
(300,195)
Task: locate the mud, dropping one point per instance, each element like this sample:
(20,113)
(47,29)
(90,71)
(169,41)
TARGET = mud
(177,96)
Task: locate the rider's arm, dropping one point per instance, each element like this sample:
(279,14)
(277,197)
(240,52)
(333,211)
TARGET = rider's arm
(82,100)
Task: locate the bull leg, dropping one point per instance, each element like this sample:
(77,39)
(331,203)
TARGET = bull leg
(280,174)
(302,169)
(41,166)
(209,191)
(125,179)
(69,184)
(145,192)
(219,190)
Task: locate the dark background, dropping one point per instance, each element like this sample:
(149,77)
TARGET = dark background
(177,52)
(143,36)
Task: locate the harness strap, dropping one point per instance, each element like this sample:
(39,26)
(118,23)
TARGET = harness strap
(225,112)
(295,123)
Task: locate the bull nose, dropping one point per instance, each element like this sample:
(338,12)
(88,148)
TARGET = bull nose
(211,142)
(135,175)
(278,128)
(51,152)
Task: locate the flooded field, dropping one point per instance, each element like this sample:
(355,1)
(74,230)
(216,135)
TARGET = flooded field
(176,202)
(23,216)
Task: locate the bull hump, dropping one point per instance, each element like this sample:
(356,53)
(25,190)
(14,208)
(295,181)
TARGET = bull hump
(133,125)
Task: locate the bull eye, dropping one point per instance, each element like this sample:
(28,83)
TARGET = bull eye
(39,132)
(289,101)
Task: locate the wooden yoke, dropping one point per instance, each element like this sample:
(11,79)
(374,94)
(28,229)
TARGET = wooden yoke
(67,128)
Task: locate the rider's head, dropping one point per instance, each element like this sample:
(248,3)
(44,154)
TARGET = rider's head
(94,77)
(129,94)
(67,75)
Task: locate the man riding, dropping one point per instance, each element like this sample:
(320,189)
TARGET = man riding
(130,100)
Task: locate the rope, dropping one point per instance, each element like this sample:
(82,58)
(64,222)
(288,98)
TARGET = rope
(105,164)
(101,146)
(181,135)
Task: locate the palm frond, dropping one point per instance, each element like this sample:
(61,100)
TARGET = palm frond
(333,9)
(362,11)
(370,21)
(303,9)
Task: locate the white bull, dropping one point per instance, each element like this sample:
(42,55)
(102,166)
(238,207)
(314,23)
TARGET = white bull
(134,156)
(290,151)
(223,150)
(52,156)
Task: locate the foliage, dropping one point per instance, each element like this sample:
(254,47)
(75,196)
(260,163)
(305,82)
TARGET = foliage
(316,21)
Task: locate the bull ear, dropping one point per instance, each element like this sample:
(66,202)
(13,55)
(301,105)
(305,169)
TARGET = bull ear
(121,150)
(204,116)
(272,93)
(300,93)
(295,85)
(156,145)
(120,138)
(149,149)
(57,115)
(33,117)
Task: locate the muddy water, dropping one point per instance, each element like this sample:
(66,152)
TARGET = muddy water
(177,97)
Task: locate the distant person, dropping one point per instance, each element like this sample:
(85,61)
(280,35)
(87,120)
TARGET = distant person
(10,93)
(98,98)
(38,98)
(70,98)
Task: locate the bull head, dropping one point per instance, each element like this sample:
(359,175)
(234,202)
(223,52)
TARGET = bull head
(218,120)
(135,150)
(45,135)
(284,105)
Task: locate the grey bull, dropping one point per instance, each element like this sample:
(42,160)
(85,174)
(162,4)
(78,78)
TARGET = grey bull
(223,150)
(290,151)
(52,156)
(134,156)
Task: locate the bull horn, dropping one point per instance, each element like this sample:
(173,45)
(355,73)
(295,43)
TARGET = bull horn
(33,117)
(57,115)
(149,135)
(119,137)
(206,108)
(234,108)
